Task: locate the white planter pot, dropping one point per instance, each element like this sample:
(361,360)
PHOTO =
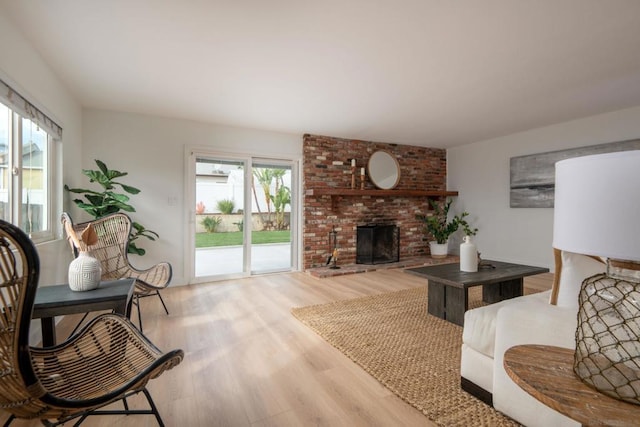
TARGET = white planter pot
(84,272)
(438,250)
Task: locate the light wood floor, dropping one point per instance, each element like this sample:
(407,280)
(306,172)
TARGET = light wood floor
(249,362)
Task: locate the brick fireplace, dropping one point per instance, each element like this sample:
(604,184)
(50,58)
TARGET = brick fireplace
(377,244)
(326,165)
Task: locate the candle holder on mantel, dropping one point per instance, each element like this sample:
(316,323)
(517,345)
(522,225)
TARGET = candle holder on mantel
(353,177)
(363,178)
(333,247)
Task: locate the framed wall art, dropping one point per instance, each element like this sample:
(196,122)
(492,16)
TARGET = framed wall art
(532,177)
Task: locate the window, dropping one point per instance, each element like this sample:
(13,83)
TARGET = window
(26,166)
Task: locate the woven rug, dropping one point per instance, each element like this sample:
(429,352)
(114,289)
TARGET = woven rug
(413,354)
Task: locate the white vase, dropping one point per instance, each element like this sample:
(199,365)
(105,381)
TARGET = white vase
(438,250)
(468,256)
(84,272)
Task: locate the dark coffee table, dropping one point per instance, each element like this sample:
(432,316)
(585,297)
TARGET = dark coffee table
(448,296)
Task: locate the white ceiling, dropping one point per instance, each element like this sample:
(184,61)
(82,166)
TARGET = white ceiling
(433,73)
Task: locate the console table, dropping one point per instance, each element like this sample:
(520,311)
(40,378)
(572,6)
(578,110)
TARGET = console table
(546,373)
(58,300)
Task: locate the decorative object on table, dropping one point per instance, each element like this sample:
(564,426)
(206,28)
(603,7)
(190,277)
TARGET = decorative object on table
(384,170)
(438,226)
(333,246)
(596,213)
(468,255)
(483,263)
(85,270)
(102,203)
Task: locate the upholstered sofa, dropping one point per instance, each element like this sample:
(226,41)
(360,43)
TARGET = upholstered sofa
(544,318)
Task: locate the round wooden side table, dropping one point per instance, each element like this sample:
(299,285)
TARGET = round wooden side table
(546,373)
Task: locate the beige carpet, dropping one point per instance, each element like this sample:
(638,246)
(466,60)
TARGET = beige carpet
(415,355)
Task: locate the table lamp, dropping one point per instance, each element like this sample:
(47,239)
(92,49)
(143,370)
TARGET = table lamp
(597,212)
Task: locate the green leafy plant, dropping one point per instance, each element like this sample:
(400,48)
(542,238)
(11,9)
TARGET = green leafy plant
(226,206)
(240,225)
(109,200)
(211,223)
(279,199)
(439,227)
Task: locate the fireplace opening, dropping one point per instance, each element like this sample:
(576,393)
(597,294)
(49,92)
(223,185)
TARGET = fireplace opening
(377,244)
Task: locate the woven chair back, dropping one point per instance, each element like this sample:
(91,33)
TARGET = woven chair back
(113,240)
(19,273)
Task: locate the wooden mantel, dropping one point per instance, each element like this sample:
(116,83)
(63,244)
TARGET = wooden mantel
(357,192)
(338,193)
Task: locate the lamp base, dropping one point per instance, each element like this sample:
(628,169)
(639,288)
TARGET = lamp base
(624,270)
(607,355)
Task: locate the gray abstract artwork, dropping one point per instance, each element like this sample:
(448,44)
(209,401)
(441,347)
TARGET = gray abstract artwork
(533,176)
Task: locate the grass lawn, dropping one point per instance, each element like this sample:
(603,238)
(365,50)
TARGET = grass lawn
(207,240)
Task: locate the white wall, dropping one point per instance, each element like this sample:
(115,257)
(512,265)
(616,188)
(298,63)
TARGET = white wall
(22,68)
(480,172)
(151,149)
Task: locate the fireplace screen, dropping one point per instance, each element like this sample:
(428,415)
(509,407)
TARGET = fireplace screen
(377,244)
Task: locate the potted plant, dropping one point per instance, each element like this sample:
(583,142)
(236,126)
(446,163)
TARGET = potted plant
(108,201)
(438,227)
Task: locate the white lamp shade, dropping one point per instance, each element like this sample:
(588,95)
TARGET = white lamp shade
(597,205)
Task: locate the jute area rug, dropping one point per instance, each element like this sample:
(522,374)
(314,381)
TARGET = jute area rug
(413,354)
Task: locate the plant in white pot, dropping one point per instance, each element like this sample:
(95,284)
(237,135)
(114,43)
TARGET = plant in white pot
(439,228)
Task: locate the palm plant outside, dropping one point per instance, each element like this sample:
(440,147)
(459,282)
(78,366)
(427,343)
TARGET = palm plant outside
(280,199)
(265,178)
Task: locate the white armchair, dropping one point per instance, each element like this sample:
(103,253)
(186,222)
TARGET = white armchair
(543,318)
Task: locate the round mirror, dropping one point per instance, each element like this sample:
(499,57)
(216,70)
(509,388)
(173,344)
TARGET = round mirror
(384,170)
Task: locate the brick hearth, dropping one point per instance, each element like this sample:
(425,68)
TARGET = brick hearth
(324,272)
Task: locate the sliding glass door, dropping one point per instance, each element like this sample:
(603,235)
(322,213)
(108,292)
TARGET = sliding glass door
(219,201)
(244,216)
(271,243)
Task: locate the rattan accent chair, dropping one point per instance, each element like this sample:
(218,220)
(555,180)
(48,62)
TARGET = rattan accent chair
(107,361)
(113,240)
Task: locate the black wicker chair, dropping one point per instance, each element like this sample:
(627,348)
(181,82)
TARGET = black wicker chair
(107,361)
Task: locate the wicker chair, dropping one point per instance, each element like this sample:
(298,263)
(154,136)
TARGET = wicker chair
(113,232)
(107,361)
